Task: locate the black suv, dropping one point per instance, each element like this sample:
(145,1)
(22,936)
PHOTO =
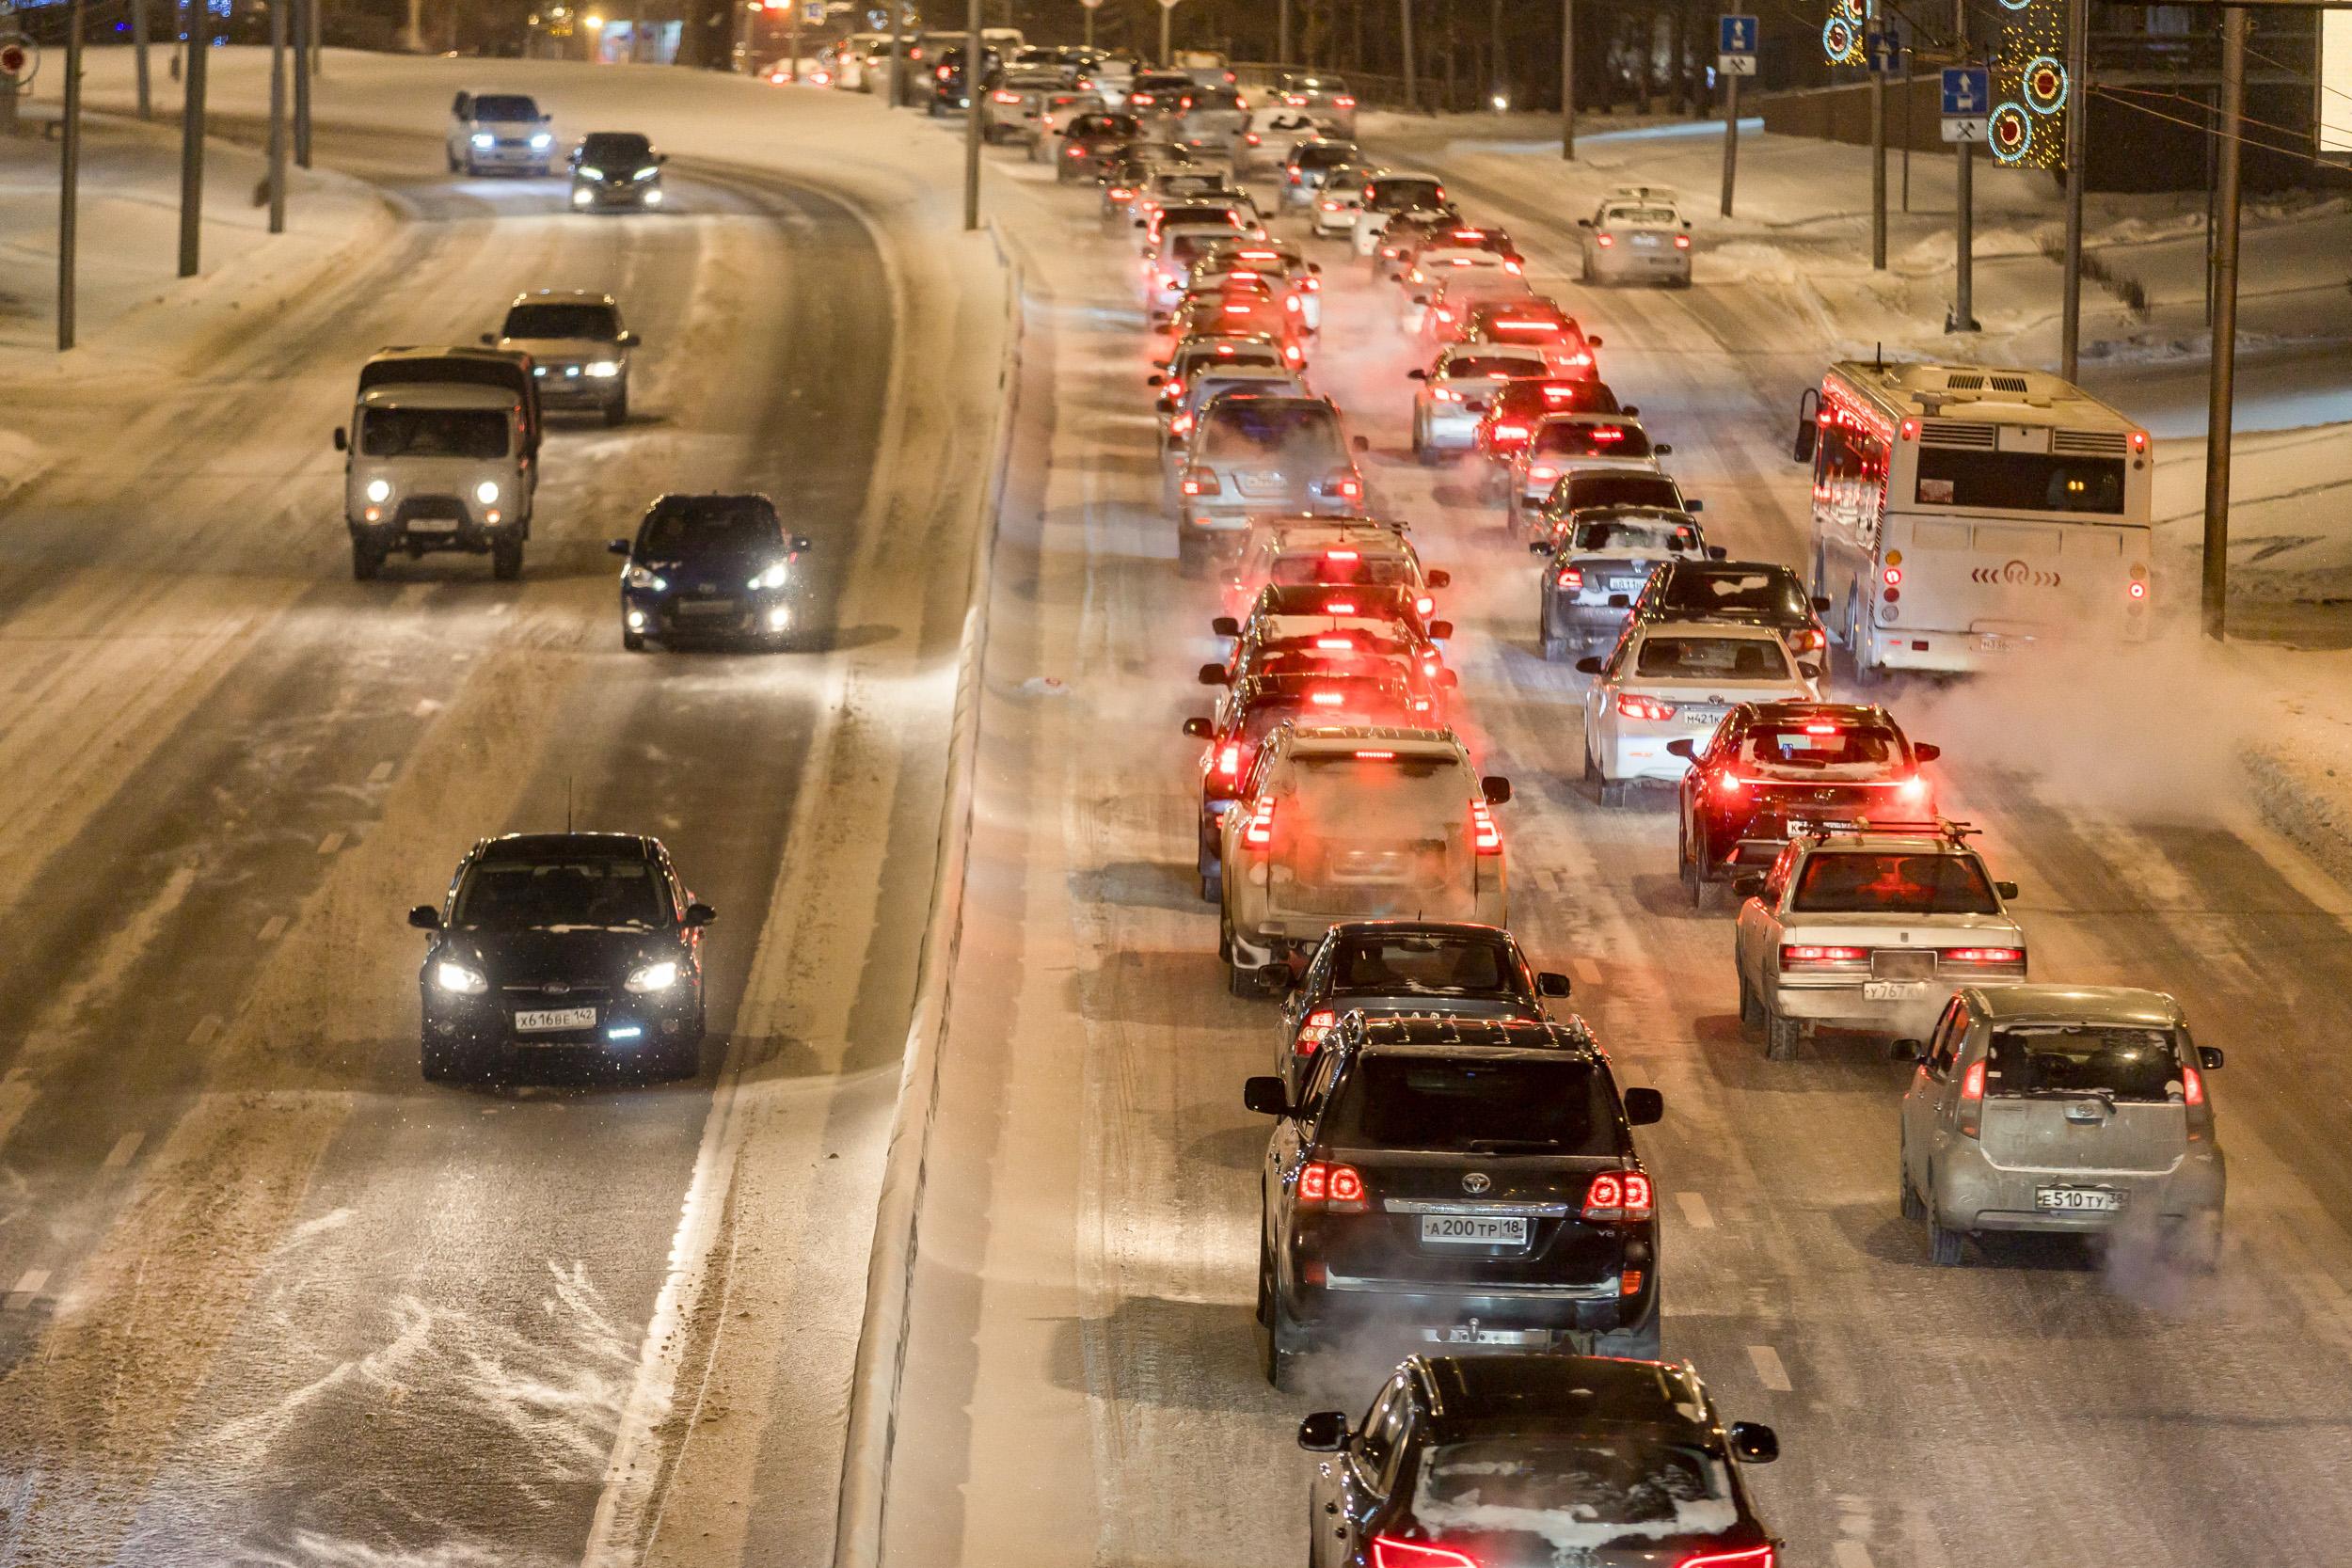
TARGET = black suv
(1527,1461)
(708,567)
(549,940)
(1471,1179)
(1386,968)
(1751,593)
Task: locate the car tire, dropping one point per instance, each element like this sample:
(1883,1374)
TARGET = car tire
(450,158)
(1944,1245)
(633,642)
(441,1062)
(680,1059)
(1240,980)
(1588,768)
(367,561)
(1913,1208)
(1278,1346)
(1751,1007)
(1864,675)
(617,412)
(1783,1034)
(506,560)
(1638,1343)
(1556,648)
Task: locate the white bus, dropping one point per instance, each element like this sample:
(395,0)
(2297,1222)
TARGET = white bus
(1961,514)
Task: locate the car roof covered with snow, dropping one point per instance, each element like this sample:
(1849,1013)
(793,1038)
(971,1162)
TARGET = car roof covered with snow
(1474,1395)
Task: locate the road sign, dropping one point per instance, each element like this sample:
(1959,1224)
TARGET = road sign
(1886,50)
(1736,35)
(813,12)
(19,58)
(1735,65)
(1964,128)
(1967,94)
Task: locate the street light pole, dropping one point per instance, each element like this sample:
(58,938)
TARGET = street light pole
(1404,14)
(2077,110)
(2222,392)
(1567,80)
(276,116)
(191,140)
(1878,144)
(303,20)
(1965,191)
(70,176)
(1282,33)
(138,48)
(972,117)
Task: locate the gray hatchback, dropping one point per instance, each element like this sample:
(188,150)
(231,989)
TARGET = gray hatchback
(2063,1108)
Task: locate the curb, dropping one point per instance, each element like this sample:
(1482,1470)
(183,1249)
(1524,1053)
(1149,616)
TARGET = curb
(880,1370)
(2313,820)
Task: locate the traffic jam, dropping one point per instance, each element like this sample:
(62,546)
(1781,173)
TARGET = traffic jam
(1454,1183)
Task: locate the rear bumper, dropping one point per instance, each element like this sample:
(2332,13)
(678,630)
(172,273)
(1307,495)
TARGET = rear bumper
(1841,1004)
(1971,653)
(1590,624)
(1644,756)
(1454,432)
(1972,1193)
(1620,264)
(1418,1309)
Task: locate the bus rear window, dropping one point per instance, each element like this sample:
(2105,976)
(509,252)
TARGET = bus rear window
(2020,481)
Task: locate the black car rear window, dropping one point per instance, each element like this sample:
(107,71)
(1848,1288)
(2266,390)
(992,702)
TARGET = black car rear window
(513,894)
(1407,964)
(1768,591)
(598,321)
(1592,440)
(1581,1494)
(1395,193)
(1214,98)
(1622,490)
(2073,1059)
(1471,1106)
(1857,882)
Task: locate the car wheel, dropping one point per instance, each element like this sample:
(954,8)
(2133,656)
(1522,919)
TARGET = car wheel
(1782,1036)
(440,1062)
(617,412)
(1865,672)
(1751,1007)
(367,561)
(1240,980)
(506,560)
(1914,1210)
(1265,1277)
(1587,769)
(1279,1358)
(1942,1245)
(1191,558)
(634,642)
(451,158)
(1638,1343)
(1614,792)
(1556,648)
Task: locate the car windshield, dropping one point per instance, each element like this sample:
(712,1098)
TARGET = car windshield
(1104,125)
(1774,594)
(2073,1059)
(1743,658)
(1213,360)
(1491,366)
(1857,882)
(1822,748)
(598,322)
(615,146)
(1327,566)
(1407,964)
(1214,98)
(1322,157)
(1397,194)
(1642,217)
(1622,490)
(1592,440)
(1274,429)
(501,107)
(477,433)
(581,890)
(1629,534)
(1578,1494)
(1469,1105)
(745,529)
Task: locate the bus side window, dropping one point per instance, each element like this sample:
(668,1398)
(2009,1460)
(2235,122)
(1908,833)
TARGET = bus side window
(1870,453)
(1826,453)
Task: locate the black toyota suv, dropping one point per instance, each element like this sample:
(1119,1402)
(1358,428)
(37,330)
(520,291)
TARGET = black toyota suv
(548,941)
(1383,968)
(1468,1181)
(1527,1461)
(709,567)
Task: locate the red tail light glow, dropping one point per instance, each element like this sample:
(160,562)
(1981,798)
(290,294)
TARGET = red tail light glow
(1201,481)
(1820,729)
(1607,434)
(1340,645)
(1228,761)
(1755,1557)
(1982,955)
(1259,831)
(1424,605)
(1682,242)
(2139,441)
(1327,699)
(1005,97)
(1347,487)
(1339,607)
(1326,1184)
(2137,591)
(1363,755)
(1543,471)
(1893,575)
(1795,955)
(2192,1086)
(1388,1552)
(1604,240)
(1486,837)
(1569,578)
(1344,103)
(1910,429)
(1618,1195)
(1913,791)
(1729,784)
(1313,1033)
(1340,555)
(1634,706)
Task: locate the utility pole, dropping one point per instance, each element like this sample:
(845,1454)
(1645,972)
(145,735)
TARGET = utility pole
(2223,389)
(191,140)
(1567,80)
(1878,139)
(792,40)
(1963,187)
(1091,6)
(1731,135)
(316,22)
(138,55)
(70,176)
(898,47)
(972,117)
(302,20)
(277,116)
(1282,33)
(2077,110)
(1167,8)
(1404,14)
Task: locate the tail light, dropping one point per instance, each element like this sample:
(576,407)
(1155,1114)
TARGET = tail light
(1444,315)
(1294,177)
(1510,432)
(1910,429)
(1335,644)
(1634,706)
(1313,285)
(1570,577)
(1485,835)
(1329,1185)
(1630,1282)
(1118,192)
(1313,1033)
(1005,97)
(1729,785)
(1913,791)
(1447,394)
(1345,486)
(1972,1101)
(1983,956)
(1805,642)
(1075,152)
(1812,955)
(1180,425)
(1682,242)
(2138,590)
(1228,761)
(2192,1086)
(1618,1194)
(943,71)
(1543,471)
(1201,481)
(1514,269)
(1892,576)
(1294,101)
(1753,1557)
(1251,138)
(1388,1552)
(1330,206)
(1424,605)
(1604,240)
(2139,441)
(1292,353)
(1327,699)
(1342,103)
(1258,833)
(1580,357)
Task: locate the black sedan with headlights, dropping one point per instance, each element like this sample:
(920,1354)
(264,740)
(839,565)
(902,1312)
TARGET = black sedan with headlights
(709,568)
(616,169)
(549,942)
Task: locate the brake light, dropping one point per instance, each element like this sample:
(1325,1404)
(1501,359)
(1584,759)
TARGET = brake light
(1251,138)
(1755,1557)
(1118,192)
(1340,555)
(1201,481)
(1340,645)
(1294,101)
(1363,755)
(1618,1195)
(1982,955)
(2138,590)
(2192,1086)
(1142,99)
(1388,1552)
(2139,441)
(1327,1185)
(1570,577)
(1580,357)
(1447,394)
(1913,791)
(1344,103)
(1514,268)
(1607,434)
(1820,729)
(1294,177)
(943,71)
(1330,206)
(1005,97)
(1180,425)
(1173,388)
(1510,432)
(1327,699)
(1339,607)
(1424,605)
(1445,315)
(1486,837)
(1682,242)
(1347,487)
(1228,761)
(1259,831)
(1075,153)
(1796,955)
(1292,353)
(1910,429)
(1729,784)
(1604,240)
(1634,706)
(1543,471)
(1893,575)
(1313,1033)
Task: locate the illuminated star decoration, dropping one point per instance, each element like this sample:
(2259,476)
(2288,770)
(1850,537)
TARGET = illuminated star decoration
(1841,34)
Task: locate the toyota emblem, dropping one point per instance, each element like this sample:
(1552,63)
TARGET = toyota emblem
(1476,1181)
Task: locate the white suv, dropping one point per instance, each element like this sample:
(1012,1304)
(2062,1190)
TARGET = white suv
(501,131)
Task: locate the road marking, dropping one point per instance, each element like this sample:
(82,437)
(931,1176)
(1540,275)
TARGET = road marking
(1694,1212)
(28,1285)
(274,928)
(425,708)
(125,1148)
(380,772)
(1851,1554)
(209,1025)
(1769,1371)
(331,843)
(1584,972)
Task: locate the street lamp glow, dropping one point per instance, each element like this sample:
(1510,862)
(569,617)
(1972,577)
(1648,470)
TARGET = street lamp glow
(593,23)
(1500,101)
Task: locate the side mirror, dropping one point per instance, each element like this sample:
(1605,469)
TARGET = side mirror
(1684,747)
(1821,604)
(1417,374)
(1441,630)
(1907,1050)
(1315,267)
(1439,578)
(1662,449)
(1747,884)
(1550,983)
(1927,750)
(1161,318)
(1539,547)
(2006,889)
(1631,411)
(1199,729)
(1801,449)
(1592,342)
(1496,788)
(489,340)
(1324,1431)
(1421,300)
(1810,672)
(2210,1055)
(1360,444)
(1755,1443)
(1213,674)
(1265,1096)
(665,157)
(1621,601)
(1717,552)
(698,915)
(1139,223)
(629,339)
(1155,381)
(1694,507)
(1588,666)
(617,547)
(343,443)
(1584,223)
(424,917)
(1686,223)
(1645,1106)
(1225,626)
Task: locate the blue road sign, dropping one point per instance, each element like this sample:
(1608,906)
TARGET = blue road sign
(1967,90)
(1736,35)
(1884,48)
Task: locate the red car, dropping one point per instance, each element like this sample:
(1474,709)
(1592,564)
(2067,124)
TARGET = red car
(1522,402)
(1537,323)
(1773,769)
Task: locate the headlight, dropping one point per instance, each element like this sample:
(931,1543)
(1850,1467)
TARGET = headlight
(486,492)
(459,980)
(607,368)
(656,976)
(541,142)
(587,173)
(581,195)
(379,489)
(484,140)
(645,576)
(645,173)
(772,578)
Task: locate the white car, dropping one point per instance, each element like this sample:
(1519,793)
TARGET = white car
(1632,239)
(502,131)
(1675,681)
(1388,192)
(1455,392)
(1264,143)
(1332,215)
(1566,446)
(1467,275)
(1870,931)
(1278,264)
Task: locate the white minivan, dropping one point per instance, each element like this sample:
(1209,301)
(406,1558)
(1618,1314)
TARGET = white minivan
(501,131)
(442,454)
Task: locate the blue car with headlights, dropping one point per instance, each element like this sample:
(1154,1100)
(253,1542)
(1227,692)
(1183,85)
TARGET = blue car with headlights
(499,131)
(709,568)
(616,169)
(563,943)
